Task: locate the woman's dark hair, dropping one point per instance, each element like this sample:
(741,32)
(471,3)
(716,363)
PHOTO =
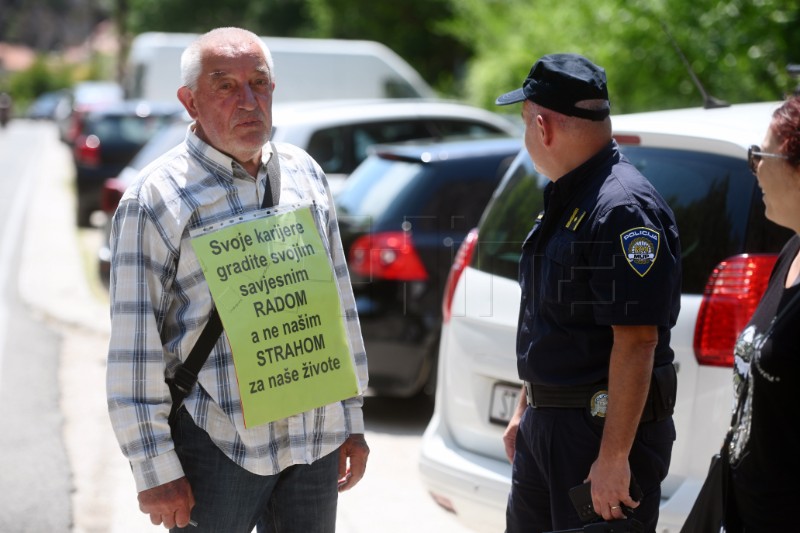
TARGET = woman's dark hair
(786,127)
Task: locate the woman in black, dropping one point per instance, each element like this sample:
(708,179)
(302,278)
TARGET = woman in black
(764,455)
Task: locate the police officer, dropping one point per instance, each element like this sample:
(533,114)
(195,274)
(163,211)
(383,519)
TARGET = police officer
(600,277)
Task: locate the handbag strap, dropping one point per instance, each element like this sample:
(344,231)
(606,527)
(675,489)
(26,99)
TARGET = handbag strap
(272,193)
(186,374)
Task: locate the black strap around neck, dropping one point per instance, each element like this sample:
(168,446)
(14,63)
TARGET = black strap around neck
(272,192)
(186,374)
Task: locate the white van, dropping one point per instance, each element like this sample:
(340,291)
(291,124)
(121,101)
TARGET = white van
(305,69)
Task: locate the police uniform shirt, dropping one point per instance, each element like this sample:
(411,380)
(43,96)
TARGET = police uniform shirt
(605,251)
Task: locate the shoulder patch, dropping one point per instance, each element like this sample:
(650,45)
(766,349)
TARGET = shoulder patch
(640,246)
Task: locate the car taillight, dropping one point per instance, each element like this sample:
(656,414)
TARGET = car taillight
(388,255)
(111,194)
(87,150)
(731,295)
(460,262)
(75,125)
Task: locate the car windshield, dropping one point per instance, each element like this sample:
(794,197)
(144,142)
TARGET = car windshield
(125,129)
(162,142)
(710,195)
(374,185)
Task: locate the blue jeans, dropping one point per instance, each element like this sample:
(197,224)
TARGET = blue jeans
(229,499)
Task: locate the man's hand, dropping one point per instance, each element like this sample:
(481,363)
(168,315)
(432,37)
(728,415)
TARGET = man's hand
(169,504)
(510,434)
(610,488)
(629,373)
(354,450)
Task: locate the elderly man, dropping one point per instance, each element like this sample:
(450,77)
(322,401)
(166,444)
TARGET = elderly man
(204,467)
(600,278)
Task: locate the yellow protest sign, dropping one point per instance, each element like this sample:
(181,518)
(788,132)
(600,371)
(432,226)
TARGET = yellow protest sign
(274,287)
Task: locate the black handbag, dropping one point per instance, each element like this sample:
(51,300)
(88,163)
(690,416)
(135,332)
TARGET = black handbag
(714,509)
(712,503)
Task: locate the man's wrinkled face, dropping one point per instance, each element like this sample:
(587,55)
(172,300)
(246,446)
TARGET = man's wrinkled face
(232,103)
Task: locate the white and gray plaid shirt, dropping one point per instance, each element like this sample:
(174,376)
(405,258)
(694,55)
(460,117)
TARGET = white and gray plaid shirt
(160,303)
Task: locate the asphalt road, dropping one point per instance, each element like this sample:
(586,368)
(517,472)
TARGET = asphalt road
(34,471)
(86,480)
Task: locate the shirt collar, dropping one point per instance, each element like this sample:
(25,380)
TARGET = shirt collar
(573,181)
(221,162)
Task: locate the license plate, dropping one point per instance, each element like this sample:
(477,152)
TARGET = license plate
(504,403)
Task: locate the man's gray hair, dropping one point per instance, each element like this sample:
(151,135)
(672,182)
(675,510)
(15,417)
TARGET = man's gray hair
(192,57)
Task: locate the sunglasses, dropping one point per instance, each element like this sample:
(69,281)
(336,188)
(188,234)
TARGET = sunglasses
(754,155)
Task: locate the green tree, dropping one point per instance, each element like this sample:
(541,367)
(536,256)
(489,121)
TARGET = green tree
(414,29)
(738,48)
(477,49)
(43,76)
(285,18)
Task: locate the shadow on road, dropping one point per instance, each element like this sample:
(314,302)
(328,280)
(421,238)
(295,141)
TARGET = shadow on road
(398,416)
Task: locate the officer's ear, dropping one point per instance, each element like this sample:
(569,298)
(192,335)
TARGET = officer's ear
(544,129)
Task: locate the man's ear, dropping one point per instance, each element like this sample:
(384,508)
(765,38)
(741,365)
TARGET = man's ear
(544,130)
(187,99)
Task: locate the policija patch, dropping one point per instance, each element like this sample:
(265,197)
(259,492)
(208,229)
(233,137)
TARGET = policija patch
(640,246)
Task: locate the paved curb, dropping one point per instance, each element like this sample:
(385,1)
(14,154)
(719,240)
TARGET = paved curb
(54,282)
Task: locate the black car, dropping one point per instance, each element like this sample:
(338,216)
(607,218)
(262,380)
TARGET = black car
(47,105)
(109,138)
(403,214)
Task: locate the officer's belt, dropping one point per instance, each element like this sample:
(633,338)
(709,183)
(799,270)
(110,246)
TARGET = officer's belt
(580,396)
(566,396)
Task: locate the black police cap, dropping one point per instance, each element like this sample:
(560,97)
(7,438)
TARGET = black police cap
(559,81)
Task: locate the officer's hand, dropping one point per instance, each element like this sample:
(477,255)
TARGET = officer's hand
(356,450)
(611,488)
(510,438)
(169,504)
(510,434)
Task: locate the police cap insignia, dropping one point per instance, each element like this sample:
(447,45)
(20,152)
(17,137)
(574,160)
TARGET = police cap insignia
(640,246)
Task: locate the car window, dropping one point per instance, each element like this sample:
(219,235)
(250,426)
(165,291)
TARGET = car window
(162,142)
(374,186)
(455,205)
(508,219)
(125,129)
(342,148)
(365,135)
(462,128)
(327,147)
(710,194)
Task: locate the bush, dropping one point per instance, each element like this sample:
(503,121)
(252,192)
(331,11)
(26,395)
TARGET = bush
(43,76)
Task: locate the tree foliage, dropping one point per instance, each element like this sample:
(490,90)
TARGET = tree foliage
(409,28)
(739,49)
(41,77)
(413,28)
(477,49)
(285,18)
